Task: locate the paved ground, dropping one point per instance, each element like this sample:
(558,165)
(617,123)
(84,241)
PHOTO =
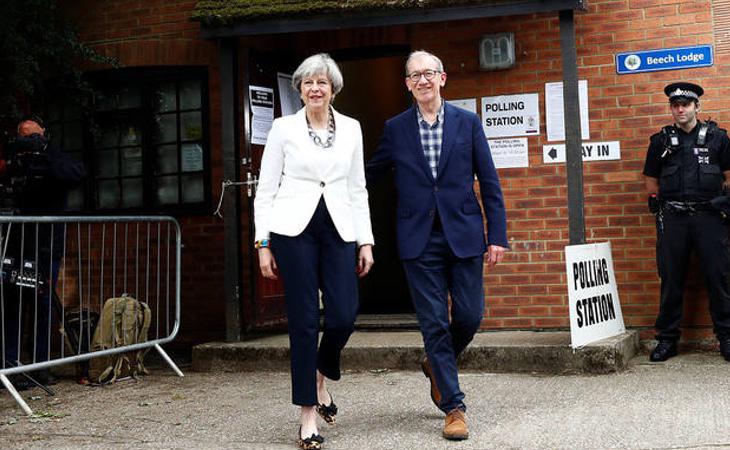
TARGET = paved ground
(684,403)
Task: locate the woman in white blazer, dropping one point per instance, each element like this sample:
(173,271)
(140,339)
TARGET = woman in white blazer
(313,227)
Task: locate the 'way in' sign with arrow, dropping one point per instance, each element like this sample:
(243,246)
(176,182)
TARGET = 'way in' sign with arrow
(592,151)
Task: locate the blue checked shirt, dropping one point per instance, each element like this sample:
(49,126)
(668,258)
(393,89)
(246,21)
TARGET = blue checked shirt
(431,138)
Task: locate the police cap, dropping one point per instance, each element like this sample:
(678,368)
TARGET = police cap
(688,91)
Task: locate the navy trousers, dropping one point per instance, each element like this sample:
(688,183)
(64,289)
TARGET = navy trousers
(435,274)
(317,259)
(706,233)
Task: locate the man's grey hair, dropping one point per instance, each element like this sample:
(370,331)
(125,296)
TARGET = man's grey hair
(419,53)
(321,63)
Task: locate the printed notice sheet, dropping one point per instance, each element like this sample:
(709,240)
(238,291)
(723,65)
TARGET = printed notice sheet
(555,120)
(262,107)
(508,153)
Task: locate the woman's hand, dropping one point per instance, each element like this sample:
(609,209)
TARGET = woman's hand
(364,260)
(267,263)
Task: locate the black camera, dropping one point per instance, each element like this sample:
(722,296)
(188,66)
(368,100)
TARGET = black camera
(25,276)
(27,155)
(34,143)
(27,163)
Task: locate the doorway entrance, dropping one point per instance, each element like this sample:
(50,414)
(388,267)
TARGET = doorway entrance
(374,91)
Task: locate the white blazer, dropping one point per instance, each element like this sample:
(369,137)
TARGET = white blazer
(295,173)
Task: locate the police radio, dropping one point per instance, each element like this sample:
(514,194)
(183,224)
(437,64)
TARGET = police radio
(671,141)
(672,137)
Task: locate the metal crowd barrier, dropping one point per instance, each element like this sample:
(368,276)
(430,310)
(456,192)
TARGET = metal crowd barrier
(57,272)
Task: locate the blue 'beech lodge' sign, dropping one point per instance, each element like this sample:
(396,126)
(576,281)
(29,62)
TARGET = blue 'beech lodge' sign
(664,59)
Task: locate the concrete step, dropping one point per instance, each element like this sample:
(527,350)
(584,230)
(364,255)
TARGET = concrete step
(501,351)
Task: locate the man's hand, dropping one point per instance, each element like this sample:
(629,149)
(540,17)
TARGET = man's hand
(267,263)
(364,260)
(495,254)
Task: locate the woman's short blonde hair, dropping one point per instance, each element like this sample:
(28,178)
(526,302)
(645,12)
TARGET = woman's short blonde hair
(321,63)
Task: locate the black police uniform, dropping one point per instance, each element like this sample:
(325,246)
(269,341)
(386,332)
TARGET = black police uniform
(690,174)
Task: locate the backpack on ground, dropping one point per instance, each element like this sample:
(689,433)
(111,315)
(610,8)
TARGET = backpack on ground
(124,321)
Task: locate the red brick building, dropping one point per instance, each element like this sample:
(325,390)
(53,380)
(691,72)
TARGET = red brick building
(197,59)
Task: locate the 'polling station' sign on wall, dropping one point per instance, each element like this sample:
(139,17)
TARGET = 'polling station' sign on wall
(511,115)
(595,310)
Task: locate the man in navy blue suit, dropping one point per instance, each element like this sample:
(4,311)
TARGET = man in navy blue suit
(435,149)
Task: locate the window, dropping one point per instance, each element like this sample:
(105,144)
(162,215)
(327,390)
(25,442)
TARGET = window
(177,136)
(66,128)
(146,140)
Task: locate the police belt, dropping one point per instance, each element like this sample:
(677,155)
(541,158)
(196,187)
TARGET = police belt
(676,207)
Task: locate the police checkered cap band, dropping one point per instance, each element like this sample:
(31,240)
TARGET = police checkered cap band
(683,93)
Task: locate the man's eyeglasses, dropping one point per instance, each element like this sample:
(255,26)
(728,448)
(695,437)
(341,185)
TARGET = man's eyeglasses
(428,74)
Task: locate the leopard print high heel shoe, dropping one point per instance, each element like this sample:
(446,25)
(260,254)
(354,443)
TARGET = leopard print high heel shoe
(328,412)
(313,442)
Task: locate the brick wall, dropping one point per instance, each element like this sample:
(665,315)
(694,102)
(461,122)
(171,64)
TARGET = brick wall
(159,33)
(528,289)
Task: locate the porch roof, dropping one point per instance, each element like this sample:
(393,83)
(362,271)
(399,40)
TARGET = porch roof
(225,18)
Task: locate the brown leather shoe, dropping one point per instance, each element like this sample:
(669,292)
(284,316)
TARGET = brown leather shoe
(435,393)
(455,428)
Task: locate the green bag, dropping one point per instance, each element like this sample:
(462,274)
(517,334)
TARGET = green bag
(124,321)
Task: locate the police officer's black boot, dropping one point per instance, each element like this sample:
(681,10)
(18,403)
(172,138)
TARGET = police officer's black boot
(665,349)
(724,346)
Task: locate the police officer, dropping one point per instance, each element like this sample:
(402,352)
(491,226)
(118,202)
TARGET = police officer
(687,166)
(48,175)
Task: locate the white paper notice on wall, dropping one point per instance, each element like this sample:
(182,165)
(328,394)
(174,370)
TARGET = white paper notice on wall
(507,153)
(468,104)
(594,306)
(262,107)
(511,115)
(554,111)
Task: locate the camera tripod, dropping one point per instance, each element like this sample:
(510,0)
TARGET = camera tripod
(30,379)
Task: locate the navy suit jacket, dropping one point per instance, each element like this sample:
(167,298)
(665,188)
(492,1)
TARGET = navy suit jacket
(464,153)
